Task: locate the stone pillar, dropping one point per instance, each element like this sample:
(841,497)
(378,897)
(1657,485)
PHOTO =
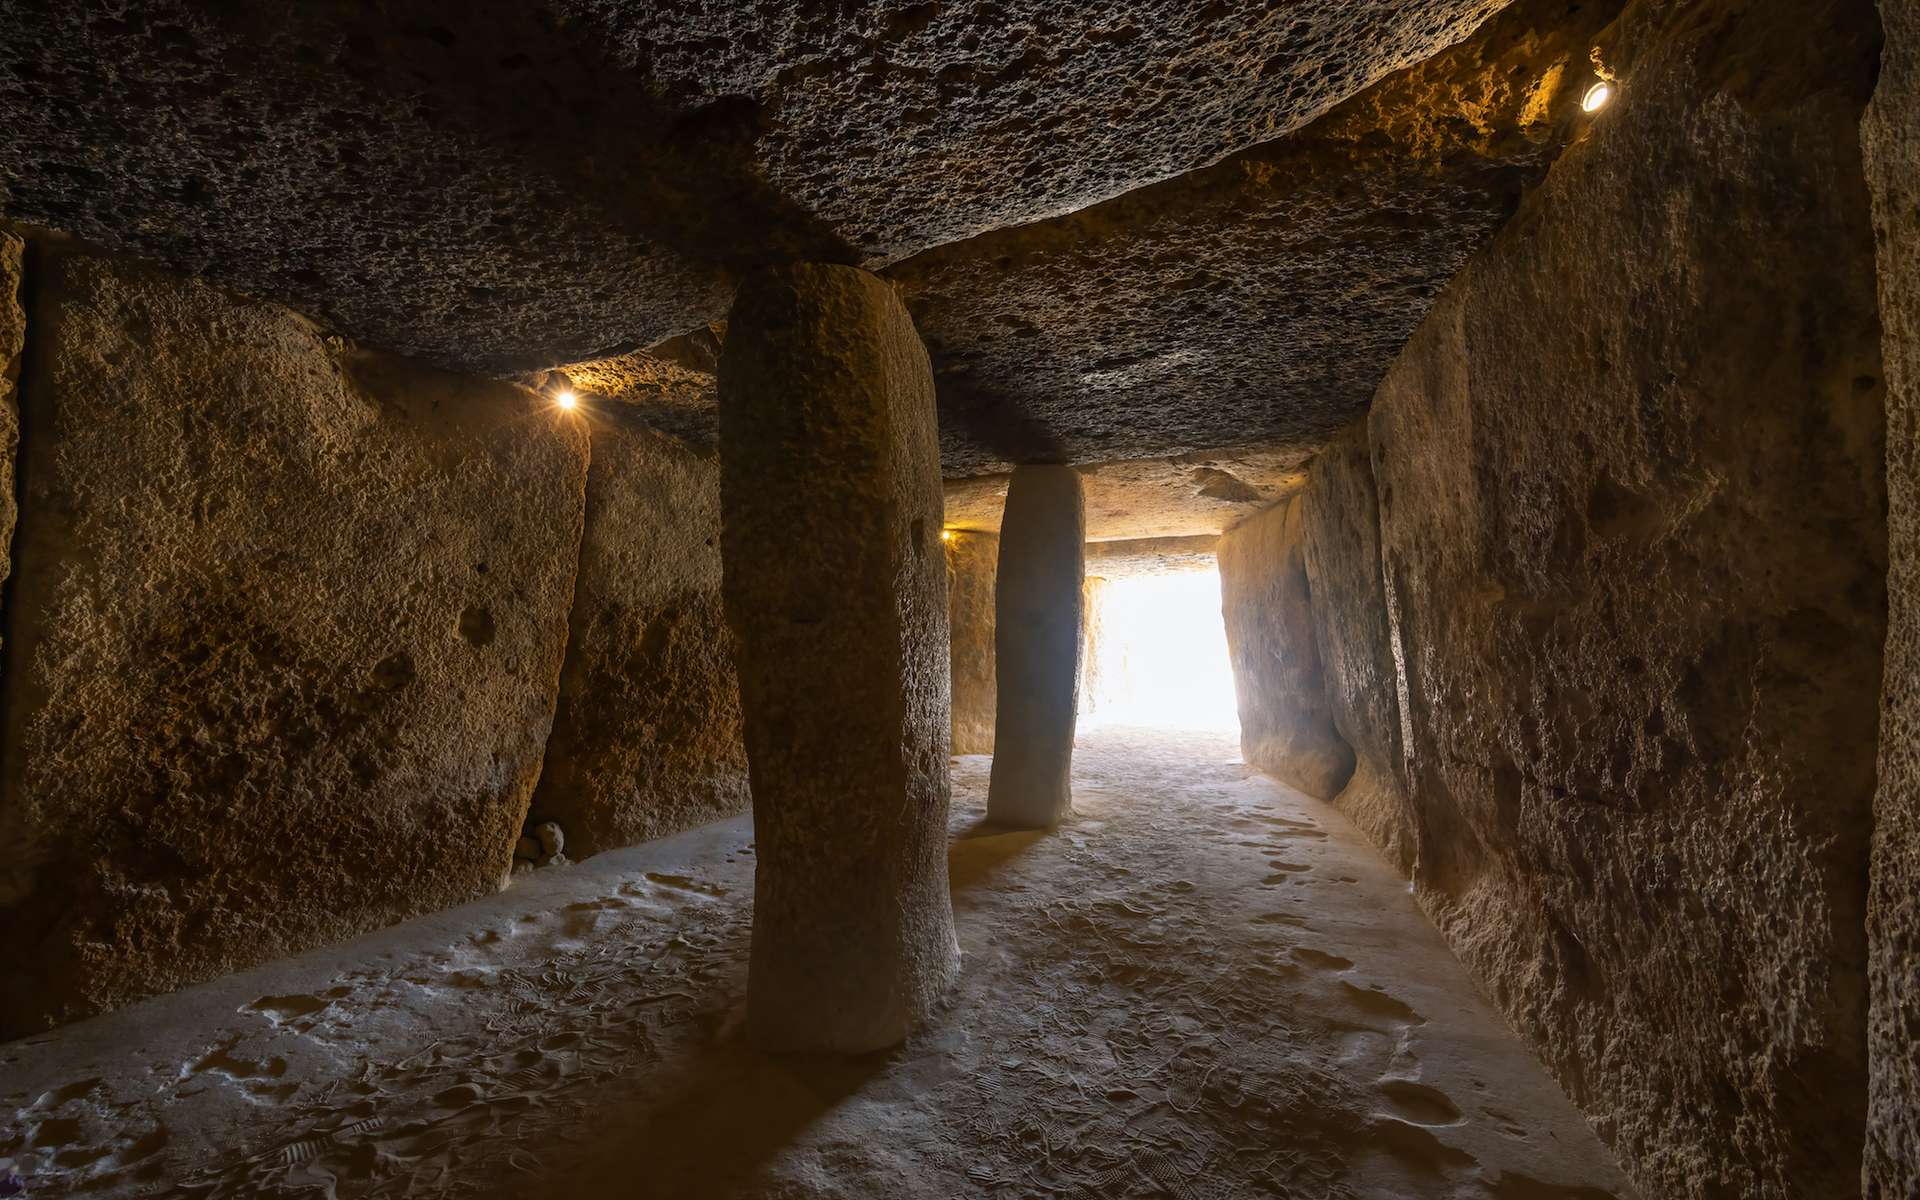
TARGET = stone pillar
(835,586)
(1037,620)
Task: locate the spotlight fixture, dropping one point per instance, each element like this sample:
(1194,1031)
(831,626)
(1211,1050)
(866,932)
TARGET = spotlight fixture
(566,400)
(1598,97)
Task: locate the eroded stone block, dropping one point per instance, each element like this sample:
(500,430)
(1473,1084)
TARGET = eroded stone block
(248,708)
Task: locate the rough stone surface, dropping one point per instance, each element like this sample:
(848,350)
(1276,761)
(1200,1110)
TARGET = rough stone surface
(1261,299)
(1184,495)
(1891,137)
(504,185)
(1152,556)
(646,736)
(1629,477)
(669,386)
(1340,525)
(246,711)
(972,561)
(835,585)
(1039,614)
(1286,723)
(13,343)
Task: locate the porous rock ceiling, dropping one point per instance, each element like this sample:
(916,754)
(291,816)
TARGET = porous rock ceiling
(1145,229)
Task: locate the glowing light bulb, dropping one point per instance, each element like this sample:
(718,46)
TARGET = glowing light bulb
(946,535)
(1598,96)
(566,399)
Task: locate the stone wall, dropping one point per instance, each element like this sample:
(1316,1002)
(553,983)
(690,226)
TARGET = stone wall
(1286,723)
(972,563)
(13,343)
(1340,523)
(284,637)
(1630,493)
(1892,142)
(646,738)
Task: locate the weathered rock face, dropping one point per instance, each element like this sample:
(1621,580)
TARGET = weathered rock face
(1039,611)
(1891,136)
(1353,637)
(836,588)
(1183,495)
(646,737)
(1286,724)
(286,633)
(972,562)
(1260,299)
(1134,557)
(505,185)
(1629,481)
(13,344)
(670,386)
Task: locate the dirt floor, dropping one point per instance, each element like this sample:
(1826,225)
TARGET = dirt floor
(1204,986)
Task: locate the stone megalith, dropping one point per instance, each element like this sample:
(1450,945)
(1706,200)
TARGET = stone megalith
(1037,624)
(835,586)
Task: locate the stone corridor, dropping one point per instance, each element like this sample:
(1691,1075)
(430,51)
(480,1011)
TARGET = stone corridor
(1203,985)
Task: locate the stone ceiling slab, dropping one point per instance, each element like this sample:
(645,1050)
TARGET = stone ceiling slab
(1258,300)
(504,185)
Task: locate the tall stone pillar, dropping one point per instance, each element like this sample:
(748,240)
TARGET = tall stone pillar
(1037,623)
(835,586)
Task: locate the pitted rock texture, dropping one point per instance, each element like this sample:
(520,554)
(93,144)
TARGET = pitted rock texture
(246,709)
(1340,524)
(1039,630)
(669,386)
(908,124)
(1129,558)
(509,185)
(646,736)
(13,344)
(835,587)
(1631,505)
(1188,495)
(972,562)
(1891,137)
(1286,722)
(1261,299)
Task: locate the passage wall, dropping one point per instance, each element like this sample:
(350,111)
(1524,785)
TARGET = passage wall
(1612,649)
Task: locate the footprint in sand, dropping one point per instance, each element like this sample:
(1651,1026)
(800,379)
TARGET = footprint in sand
(1279,918)
(1420,1104)
(1416,1147)
(1321,959)
(1376,1003)
(684,884)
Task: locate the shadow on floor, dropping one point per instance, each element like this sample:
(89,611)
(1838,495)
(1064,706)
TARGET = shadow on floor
(982,851)
(711,1128)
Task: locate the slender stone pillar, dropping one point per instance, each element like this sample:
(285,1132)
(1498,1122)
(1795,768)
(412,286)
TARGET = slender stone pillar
(835,586)
(1038,612)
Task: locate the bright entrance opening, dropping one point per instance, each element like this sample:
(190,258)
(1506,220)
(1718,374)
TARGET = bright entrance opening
(1159,654)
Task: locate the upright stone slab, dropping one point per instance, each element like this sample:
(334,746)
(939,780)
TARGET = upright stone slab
(1632,535)
(1286,723)
(1038,601)
(1891,139)
(285,636)
(971,562)
(646,736)
(836,589)
(13,342)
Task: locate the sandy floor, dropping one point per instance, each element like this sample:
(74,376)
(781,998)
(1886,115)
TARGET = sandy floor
(1205,986)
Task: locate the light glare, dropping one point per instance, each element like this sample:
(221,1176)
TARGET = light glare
(566,399)
(1597,96)
(1163,659)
